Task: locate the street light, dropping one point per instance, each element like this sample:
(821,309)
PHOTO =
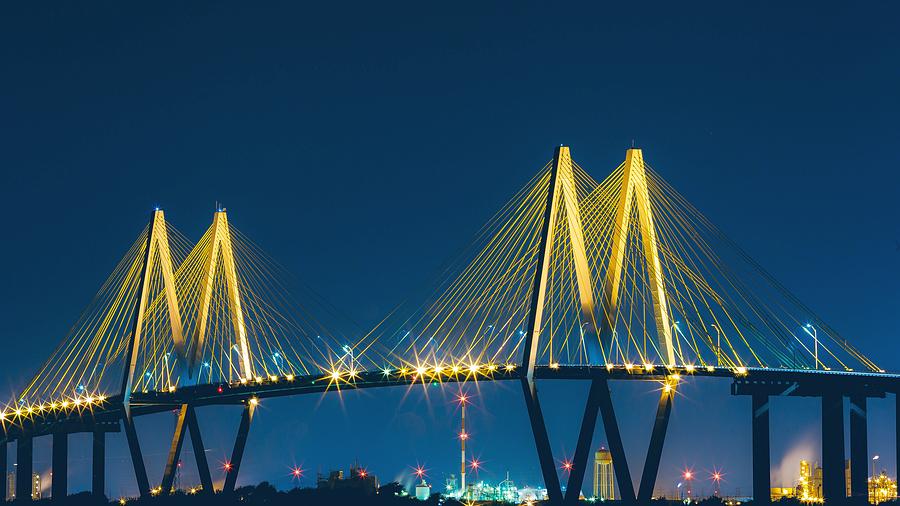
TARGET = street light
(718,345)
(349,351)
(815,335)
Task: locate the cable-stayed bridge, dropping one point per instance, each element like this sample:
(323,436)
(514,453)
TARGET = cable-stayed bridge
(572,279)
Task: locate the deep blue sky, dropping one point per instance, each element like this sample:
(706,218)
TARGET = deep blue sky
(361,144)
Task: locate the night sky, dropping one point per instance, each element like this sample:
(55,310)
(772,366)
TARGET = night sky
(361,145)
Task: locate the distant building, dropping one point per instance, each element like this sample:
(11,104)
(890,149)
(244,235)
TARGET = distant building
(359,479)
(36,488)
(779,493)
(423,491)
(604,488)
(882,488)
(528,494)
(450,485)
(507,490)
(809,484)
(847,478)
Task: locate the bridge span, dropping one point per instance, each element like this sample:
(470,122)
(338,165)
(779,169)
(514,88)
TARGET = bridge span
(573,279)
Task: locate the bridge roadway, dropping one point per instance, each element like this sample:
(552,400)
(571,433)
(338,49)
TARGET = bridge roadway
(42,419)
(100,415)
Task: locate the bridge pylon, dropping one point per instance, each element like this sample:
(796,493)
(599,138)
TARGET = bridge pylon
(221,249)
(634,196)
(156,252)
(561,190)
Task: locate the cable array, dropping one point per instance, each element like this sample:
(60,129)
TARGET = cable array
(234,318)
(722,308)
(250,291)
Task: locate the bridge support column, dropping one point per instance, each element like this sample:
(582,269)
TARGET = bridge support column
(187,420)
(762,487)
(657,439)
(599,401)
(859,451)
(616,448)
(585,438)
(834,487)
(175,450)
(98,469)
(199,452)
(238,452)
(24,467)
(60,481)
(137,458)
(542,441)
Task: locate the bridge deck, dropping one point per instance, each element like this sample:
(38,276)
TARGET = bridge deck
(101,412)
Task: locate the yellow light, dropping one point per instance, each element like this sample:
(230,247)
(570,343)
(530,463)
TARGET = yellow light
(90,400)
(77,400)
(710,368)
(243,381)
(254,401)
(455,369)
(18,412)
(101,398)
(510,367)
(554,365)
(492,367)
(273,378)
(353,373)
(64,403)
(667,388)
(289,377)
(53,405)
(171,388)
(438,368)
(420,370)
(609,367)
(648,367)
(675,376)
(335,375)
(689,368)
(629,366)
(403,371)
(122,500)
(741,371)
(259,379)
(473,368)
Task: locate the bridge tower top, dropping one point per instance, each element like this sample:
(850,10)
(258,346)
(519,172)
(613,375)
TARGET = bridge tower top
(220,247)
(156,253)
(634,196)
(561,194)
